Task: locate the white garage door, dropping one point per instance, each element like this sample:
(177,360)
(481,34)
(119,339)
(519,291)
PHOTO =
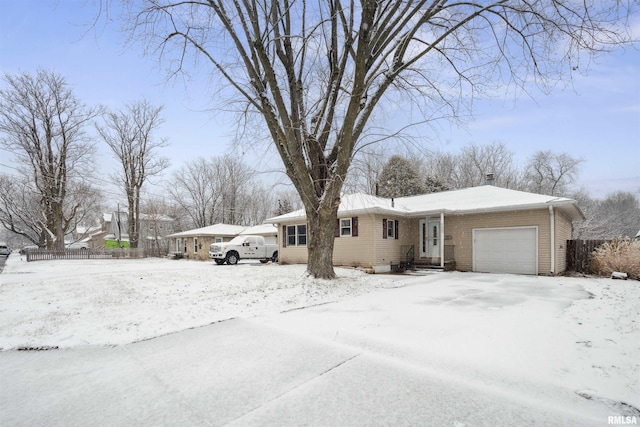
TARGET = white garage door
(506,250)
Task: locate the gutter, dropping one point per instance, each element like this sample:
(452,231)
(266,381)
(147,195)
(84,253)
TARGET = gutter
(552,220)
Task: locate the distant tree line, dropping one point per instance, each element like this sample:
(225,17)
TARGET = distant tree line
(224,190)
(51,192)
(545,172)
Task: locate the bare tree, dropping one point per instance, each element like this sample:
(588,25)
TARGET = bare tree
(83,194)
(618,215)
(475,162)
(42,123)
(196,190)
(441,167)
(286,201)
(551,173)
(20,210)
(233,176)
(158,221)
(221,189)
(130,133)
(315,72)
(365,170)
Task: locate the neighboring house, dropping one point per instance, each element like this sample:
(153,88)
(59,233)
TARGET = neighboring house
(154,230)
(485,229)
(194,244)
(82,237)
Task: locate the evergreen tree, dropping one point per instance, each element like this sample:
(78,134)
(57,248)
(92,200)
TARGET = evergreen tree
(434,185)
(398,178)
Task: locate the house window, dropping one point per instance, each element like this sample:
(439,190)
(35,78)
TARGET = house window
(195,245)
(302,235)
(391,229)
(218,240)
(345,227)
(297,235)
(291,235)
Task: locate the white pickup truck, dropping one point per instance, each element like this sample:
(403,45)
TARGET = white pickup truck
(243,247)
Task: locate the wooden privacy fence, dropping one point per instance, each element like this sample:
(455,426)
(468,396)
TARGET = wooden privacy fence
(50,254)
(579,254)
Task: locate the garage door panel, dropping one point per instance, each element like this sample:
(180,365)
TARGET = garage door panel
(506,250)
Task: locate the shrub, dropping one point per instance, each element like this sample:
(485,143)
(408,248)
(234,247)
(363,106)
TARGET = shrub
(621,255)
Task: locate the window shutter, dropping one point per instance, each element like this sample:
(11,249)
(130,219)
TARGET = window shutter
(284,236)
(397,232)
(384,228)
(337,232)
(354,226)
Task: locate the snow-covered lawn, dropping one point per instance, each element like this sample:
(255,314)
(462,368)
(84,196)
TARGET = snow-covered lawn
(581,334)
(71,303)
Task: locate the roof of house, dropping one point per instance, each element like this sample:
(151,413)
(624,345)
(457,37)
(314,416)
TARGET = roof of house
(212,230)
(486,198)
(261,230)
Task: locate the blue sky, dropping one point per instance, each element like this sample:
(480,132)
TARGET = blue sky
(597,118)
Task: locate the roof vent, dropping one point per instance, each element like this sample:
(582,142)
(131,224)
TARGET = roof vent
(489,179)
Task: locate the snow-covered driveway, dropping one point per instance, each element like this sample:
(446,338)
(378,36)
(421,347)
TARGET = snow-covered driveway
(445,349)
(535,339)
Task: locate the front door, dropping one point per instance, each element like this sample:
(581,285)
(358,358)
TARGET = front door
(430,238)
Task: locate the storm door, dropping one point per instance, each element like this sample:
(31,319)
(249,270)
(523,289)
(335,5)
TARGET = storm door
(430,238)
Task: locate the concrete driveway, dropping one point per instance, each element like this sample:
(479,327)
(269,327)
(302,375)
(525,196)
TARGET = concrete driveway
(247,372)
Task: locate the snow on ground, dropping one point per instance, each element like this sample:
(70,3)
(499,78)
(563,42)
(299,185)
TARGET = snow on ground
(523,333)
(71,303)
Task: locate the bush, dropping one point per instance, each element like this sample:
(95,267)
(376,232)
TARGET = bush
(621,255)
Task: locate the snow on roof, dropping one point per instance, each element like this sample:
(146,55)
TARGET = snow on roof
(480,199)
(261,230)
(350,204)
(487,198)
(212,230)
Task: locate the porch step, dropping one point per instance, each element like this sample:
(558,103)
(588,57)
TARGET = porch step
(424,266)
(420,271)
(421,268)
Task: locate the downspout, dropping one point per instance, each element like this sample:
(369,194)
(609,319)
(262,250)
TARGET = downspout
(553,240)
(441,239)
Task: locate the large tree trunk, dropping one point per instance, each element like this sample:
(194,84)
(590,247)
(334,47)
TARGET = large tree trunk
(320,240)
(132,218)
(57,226)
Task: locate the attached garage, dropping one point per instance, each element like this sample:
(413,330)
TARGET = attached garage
(506,250)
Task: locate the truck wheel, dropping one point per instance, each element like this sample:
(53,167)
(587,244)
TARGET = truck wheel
(219,261)
(232,258)
(274,258)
